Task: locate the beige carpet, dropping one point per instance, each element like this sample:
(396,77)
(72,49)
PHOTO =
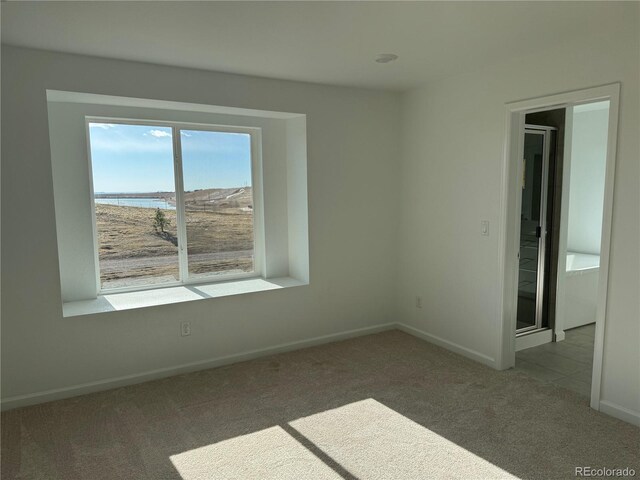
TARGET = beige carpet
(385,406)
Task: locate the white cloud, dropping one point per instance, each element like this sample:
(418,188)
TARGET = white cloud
(104,126)
(159,133)
(129,145)
(185,134)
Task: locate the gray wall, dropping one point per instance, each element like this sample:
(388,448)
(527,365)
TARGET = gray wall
(353,146)
(370,208)
(453,131)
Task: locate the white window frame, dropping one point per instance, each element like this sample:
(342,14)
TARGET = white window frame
(255,134)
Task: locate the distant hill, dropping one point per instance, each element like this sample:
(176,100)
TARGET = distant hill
(220,198)
(205,199)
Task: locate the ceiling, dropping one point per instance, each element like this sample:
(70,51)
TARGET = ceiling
(326,42)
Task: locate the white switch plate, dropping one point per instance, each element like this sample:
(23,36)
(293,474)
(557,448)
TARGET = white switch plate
(484,228)
(418,301)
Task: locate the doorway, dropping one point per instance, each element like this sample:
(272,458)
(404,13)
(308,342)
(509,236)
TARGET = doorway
(534,280)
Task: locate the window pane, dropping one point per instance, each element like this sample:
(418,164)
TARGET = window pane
(135,204)
(218,199)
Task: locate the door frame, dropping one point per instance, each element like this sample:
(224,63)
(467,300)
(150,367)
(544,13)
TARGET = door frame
(510,204)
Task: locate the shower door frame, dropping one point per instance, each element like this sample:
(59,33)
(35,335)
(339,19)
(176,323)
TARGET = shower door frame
(542,239)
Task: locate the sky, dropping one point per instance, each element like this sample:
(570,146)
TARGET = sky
(139,159)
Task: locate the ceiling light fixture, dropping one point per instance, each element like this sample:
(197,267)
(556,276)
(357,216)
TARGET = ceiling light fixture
(386,57)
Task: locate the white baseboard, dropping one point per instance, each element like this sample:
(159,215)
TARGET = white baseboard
(606,407)
(109,383)
(454,347)
(620,412)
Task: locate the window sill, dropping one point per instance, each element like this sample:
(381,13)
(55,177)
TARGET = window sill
(163,296)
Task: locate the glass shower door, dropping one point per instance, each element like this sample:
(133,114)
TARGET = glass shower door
(532,221)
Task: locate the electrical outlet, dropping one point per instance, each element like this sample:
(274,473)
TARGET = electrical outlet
(185,329)
(418,301)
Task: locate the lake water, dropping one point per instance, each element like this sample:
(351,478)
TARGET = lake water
(137,202)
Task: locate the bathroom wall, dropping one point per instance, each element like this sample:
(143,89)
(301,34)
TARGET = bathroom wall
(586,187)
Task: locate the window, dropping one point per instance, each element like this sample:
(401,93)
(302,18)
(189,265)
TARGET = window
(230,183)
(173,203)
